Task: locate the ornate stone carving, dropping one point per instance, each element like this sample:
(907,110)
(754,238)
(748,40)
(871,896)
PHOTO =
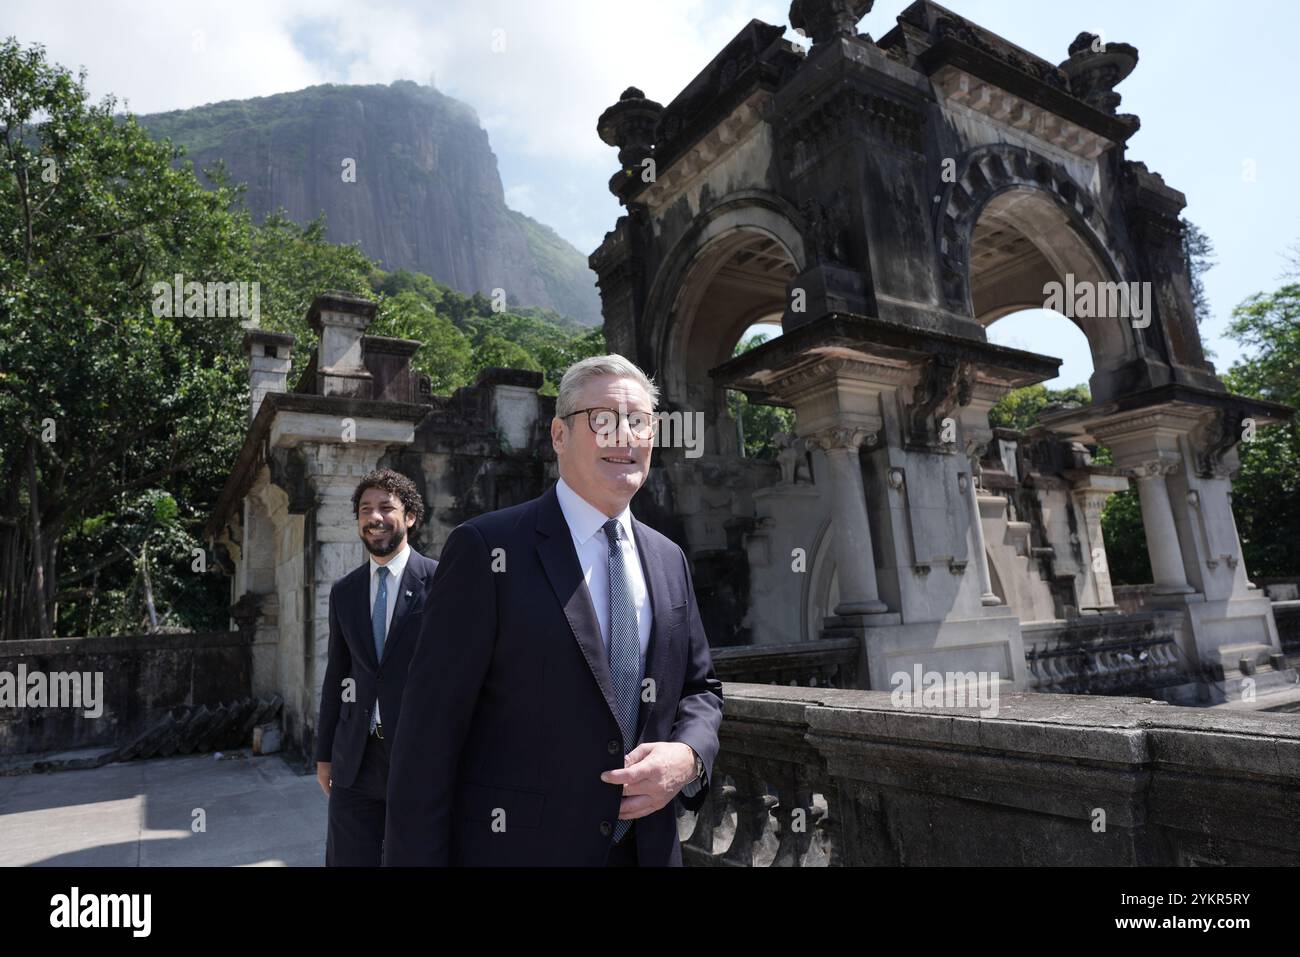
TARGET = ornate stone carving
(840,437)
(828,228)
(1096,68)
(630,125)
(824,20)
(847,112)
(955,28)
(945,384)
(792,456)
(1213,439)
(1154,468)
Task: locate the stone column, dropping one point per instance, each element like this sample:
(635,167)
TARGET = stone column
(987,595)
(855,561)
(1158,522)
(1090,494)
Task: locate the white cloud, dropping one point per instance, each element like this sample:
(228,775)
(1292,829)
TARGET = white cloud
(562,64)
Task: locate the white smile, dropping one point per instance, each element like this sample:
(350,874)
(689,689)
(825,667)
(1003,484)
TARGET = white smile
(618,460)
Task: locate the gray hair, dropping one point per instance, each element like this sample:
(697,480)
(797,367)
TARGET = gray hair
(580,373)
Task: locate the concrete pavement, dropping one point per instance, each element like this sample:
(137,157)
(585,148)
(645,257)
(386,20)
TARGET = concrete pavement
(253,810)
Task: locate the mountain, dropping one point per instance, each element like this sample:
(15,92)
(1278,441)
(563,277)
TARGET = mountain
(426,196)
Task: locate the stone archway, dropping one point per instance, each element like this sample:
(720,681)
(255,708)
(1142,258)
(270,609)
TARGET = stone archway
(730,274)
(1015,221)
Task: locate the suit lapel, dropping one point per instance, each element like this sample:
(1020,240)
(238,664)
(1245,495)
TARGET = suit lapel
(560,560)
(657,654)
(410,595)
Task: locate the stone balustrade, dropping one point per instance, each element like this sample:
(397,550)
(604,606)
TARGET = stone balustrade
(817,777)
(1106,654)
(831,663)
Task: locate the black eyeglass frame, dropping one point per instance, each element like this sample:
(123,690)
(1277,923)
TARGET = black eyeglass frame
(620,417)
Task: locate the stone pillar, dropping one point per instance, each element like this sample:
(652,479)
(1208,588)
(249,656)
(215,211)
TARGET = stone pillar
(1158,522)
(270,354)
(855,560)
(987,595)
(340,319)
(1090,494)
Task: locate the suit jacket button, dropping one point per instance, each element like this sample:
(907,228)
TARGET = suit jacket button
(614,747)
(606,829)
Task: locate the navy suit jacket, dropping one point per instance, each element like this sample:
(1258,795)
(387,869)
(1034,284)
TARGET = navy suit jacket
(343,725)
(499,754)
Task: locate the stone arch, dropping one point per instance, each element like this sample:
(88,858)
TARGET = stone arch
(1020,217)
(750,244)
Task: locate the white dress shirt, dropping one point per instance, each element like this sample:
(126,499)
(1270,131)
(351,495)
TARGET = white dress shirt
(586,523)
(396,566)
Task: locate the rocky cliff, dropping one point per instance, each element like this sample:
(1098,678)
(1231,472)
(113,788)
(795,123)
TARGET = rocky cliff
(403,170)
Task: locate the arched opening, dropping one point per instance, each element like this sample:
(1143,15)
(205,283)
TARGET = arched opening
(1027,253)
(734,292)
(1031,267)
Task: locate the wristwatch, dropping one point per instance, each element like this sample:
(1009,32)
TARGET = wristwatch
(699,765)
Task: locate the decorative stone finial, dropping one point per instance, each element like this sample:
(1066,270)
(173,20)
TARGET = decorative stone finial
(822,20)
(629,125)
(1095,68)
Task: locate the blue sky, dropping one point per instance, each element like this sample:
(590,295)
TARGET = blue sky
(1213,88)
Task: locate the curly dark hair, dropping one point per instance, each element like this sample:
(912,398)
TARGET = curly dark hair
(399,485)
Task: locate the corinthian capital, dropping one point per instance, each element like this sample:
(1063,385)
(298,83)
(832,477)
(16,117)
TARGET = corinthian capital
(840,437)
(1154,468)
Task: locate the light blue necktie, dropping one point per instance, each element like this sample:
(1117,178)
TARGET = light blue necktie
(379,622)
(623,648)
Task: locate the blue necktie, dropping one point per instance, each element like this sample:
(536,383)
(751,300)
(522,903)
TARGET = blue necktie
(379,614)
(379,625)
(623,647)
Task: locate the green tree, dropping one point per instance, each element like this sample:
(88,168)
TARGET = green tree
(103,398)
(493,350)
(759,423)
(1266,493)
(1199,251)
(1019,409)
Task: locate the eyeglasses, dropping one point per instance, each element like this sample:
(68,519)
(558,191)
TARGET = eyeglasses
(604,422)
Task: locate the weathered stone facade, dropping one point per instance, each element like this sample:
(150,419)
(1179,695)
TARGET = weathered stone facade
(887,201)
(884,201)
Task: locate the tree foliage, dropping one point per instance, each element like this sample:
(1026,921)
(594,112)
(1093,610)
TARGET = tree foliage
(1266,493)
(124,419)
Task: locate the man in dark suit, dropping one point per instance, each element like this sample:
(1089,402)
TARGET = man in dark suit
(567,694)
(375,614)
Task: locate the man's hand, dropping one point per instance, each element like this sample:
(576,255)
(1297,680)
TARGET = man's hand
(651,776)
(323,776)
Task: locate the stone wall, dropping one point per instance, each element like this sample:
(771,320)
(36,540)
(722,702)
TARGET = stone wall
(143,677)
(820,776)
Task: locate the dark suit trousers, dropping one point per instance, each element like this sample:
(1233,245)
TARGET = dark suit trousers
(355,834)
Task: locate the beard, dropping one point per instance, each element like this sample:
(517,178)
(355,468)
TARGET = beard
(385,542)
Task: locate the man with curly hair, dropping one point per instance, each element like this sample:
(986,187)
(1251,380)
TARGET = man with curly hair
(375,613)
